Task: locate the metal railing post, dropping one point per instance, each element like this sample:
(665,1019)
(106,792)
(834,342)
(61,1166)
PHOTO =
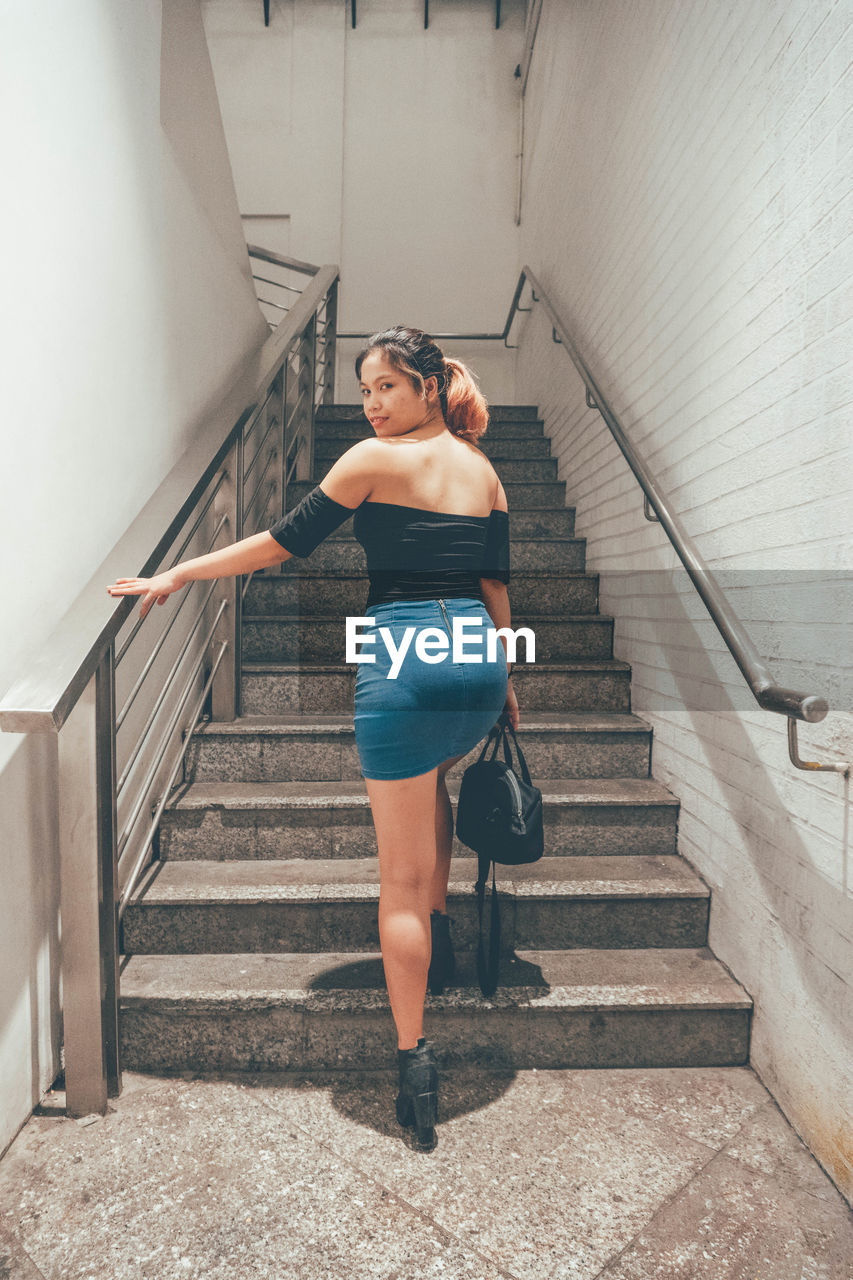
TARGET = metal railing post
(282,400)
(274,413)
(306,389)
(225,691)
(278,405)
(88,897)
(330,334)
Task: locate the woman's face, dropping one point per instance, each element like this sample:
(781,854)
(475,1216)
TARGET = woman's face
(391,403)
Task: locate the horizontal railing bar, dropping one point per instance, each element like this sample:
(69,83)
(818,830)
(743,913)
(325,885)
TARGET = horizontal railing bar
(269,303)
(456,337)
(258,415)
(164,799)
(282,260)
(248,506)
(161,640)
(296,404)
(270,490)
(166,737)
(167,684)
(768,694)
(279,284)
(178,557)
(299,445)
(61,668)
(259,451)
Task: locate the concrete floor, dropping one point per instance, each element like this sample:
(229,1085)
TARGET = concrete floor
(683,1173)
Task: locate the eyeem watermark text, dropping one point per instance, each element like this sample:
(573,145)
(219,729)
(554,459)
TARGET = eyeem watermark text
(432,644)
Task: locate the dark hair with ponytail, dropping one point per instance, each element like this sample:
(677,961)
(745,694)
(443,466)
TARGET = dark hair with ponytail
(414,353)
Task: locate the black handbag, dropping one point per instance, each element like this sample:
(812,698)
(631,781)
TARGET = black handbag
(499,816)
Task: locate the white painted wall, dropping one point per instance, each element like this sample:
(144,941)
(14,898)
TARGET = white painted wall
(127,303)
(391,149)
(688,207)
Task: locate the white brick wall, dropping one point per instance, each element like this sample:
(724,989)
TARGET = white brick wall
(687,205)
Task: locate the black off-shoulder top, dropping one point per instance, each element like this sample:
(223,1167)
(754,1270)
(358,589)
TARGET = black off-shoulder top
(412,553)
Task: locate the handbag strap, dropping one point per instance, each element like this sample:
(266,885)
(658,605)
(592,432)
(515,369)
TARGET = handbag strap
(525,772)
(496,730)
(487,968)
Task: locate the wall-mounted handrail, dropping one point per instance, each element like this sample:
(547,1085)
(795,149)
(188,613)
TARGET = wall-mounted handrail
(768,694)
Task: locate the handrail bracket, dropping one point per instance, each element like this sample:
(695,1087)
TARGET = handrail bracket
(840,766)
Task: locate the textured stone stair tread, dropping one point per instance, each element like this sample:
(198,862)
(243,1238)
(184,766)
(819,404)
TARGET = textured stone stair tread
(320,879)
(575,667)
(329,722)
(336,575)
(528,620)
(346,793)
(346,409)
(584,979)
(510,429)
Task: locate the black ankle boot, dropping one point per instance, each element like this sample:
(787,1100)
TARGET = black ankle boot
(442,965)
(417,1101)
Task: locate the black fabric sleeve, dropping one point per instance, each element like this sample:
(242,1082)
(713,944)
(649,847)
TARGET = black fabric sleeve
(309,522)
(496,550)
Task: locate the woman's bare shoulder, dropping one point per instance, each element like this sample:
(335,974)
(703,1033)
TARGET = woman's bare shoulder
(351,479)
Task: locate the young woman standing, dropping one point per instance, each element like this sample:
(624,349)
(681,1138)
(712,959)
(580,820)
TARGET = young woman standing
(431,514)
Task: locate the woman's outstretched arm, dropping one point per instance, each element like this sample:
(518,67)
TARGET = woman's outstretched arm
(260,551)
(347,483)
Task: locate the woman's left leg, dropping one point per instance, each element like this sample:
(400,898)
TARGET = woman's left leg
(443,837)
(404,817)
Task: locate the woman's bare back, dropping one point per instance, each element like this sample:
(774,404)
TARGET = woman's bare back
(441,474)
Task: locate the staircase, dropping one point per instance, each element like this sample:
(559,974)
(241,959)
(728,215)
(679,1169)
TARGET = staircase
(253,943)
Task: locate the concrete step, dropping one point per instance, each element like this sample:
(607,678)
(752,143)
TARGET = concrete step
(589,686)
(532,494)
(508,468)
(598,817)
(328,446)
(315,638)
(317,904)
(497,413)
(347,556)
(323,592)
(359,428)
(558,522)
(591,1008)
(314,748)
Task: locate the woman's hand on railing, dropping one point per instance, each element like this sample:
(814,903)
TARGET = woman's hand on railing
(511,704)
(158,588)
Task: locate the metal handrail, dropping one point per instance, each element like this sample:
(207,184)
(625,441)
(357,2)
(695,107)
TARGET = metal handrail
(42,699)
(769,695)
(289,264)
(110,809)
(282,260)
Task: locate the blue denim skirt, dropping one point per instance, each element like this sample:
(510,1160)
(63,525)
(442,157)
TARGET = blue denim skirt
(408,724)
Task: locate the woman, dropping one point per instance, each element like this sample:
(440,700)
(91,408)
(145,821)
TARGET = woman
(432,516)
